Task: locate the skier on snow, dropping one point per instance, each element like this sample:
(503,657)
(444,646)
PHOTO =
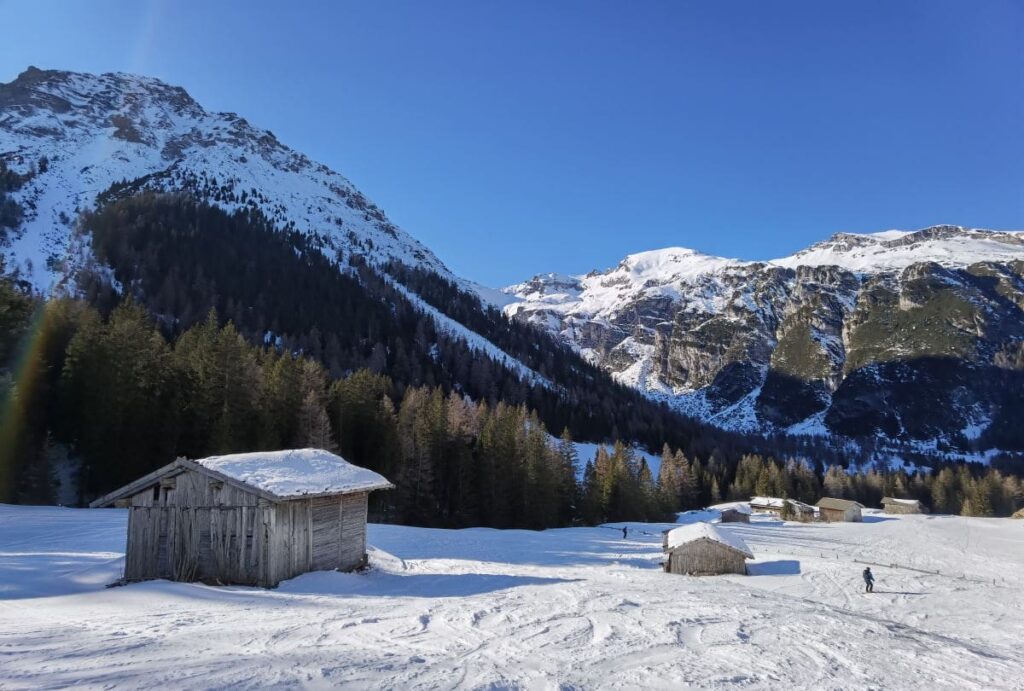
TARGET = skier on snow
(625,531)
(869,580)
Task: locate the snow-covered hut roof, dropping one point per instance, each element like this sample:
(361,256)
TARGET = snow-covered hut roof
(907,502)
(274,475)
(740,506)
(778,503)
(773,502)
(705,531)
(838,504)
(296,472)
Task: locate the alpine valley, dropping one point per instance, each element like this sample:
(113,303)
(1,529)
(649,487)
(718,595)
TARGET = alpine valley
(909,342)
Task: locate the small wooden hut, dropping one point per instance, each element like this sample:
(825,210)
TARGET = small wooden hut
(254,518)
(702,549)
(735,516)
(902,506)
(733,512)
(796,510)
(834,510)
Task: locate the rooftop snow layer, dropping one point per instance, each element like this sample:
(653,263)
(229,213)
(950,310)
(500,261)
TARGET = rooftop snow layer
(705,531)
(767,501)
(741,506)
(294,473)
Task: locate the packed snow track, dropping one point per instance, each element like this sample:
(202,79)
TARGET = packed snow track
(559,609)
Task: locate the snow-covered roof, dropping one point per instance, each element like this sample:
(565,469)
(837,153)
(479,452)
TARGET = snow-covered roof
(275,475)
(893,500)
(772,503)
(740,506)
(296,472)
(705,531)
(838,504)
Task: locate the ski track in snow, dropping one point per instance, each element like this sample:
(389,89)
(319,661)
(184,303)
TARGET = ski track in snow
(568,608)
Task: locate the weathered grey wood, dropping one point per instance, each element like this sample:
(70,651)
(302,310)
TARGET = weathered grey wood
(705,557)
(892,506)
(849,515)
(189,526)
(734,516)
(353,531)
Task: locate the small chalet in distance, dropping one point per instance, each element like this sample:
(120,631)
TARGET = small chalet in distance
(733,512)
(251,518)
(797,509)
(834,510)
(902,506)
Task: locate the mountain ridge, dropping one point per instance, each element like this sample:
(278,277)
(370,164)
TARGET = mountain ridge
(790,345)
(94,131)
(716,337)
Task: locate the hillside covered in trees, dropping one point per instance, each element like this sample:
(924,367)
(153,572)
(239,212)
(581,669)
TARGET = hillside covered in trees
(194,332)
(93,401)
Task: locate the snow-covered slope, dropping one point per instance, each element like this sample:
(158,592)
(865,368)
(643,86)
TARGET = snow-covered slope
(570,608)
(78,134)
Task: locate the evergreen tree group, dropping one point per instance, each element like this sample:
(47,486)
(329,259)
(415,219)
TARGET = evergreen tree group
(227,334)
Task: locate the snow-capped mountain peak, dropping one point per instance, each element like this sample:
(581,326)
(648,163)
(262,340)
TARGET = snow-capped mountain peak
(894,250)
(74,135)
(803,343)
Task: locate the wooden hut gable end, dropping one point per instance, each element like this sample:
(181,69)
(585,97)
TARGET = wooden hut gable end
(839,510)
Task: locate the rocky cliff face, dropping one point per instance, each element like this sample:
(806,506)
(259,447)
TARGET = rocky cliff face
(909,336)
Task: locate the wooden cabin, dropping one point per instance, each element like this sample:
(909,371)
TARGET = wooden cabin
(733,512)
(735,516)
(902,506)
(702,549)
(834,510)
(798,511)
(254,518)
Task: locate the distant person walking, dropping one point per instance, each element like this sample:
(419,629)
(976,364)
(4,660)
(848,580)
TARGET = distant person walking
(869,580)
(625,532)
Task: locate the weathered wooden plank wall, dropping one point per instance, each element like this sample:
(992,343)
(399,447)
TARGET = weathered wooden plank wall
(190,527)
(353,531)
(704,557)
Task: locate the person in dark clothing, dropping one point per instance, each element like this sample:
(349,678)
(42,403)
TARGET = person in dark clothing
(625,531)
(869,580)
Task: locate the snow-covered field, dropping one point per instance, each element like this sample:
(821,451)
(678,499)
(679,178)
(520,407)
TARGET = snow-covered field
(572,608)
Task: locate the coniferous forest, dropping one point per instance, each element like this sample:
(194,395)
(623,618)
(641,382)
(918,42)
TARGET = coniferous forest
(225,334)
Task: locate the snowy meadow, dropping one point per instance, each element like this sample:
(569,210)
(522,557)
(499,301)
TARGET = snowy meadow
(565,608)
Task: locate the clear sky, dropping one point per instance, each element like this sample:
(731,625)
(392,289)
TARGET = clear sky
(520,137)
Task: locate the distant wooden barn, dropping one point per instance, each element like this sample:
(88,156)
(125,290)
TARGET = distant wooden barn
(902,506)
(734,512)
(797,510)
(702,549)
(735,516)
(254,519)
(834,510)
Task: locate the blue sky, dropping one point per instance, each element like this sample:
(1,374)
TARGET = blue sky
(521,137)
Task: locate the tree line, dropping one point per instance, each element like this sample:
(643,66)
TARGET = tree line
(98,401)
